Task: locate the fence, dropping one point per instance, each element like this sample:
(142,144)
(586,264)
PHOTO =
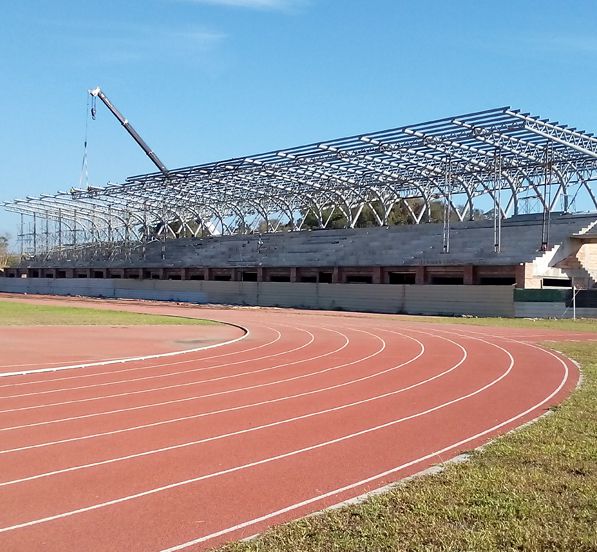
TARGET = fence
(408,299)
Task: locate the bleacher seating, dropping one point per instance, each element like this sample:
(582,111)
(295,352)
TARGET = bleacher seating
(407,245)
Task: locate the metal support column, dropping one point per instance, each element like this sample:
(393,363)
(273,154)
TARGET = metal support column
(447,209)
(22,238)
(497,207)
(34,234)
(546,201)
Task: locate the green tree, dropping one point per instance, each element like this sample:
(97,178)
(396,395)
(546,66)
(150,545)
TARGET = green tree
(399,214)
(6,257)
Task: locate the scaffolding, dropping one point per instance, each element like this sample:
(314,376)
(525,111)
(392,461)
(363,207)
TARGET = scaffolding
(502,156)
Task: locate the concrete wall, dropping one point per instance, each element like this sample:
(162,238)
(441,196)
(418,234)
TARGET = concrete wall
(413,299)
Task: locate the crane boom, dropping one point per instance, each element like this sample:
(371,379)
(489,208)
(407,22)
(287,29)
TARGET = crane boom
(97,92)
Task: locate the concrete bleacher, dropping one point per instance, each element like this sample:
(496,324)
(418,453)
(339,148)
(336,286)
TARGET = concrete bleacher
(407,245)
(287,268)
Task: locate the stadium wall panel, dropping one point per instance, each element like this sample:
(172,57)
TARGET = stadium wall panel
(436,299)
(551,310)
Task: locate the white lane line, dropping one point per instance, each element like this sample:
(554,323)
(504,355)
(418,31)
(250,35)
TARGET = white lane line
(231,409)
(149,367)
(522,338)
(196,397)
(271,458)
(144,378)
(78,361)
(128,359)
(221,436)
(256,428)
(372,478)
(174,386)
(49,364)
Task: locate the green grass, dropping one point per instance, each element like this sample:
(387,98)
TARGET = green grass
(14,313)
(533,490)
(578,325)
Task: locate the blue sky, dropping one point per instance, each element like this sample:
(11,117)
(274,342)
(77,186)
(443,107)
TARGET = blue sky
(208,79)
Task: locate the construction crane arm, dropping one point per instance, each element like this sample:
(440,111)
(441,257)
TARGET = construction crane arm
(97,93)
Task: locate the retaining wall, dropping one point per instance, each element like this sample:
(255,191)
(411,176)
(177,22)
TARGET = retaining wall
(411,299)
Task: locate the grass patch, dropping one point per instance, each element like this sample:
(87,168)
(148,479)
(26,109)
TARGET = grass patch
(14,313)
(565,324)
(532,490)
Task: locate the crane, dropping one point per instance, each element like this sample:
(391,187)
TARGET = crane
(97,93)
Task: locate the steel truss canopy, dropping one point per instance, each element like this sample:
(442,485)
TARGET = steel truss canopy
(501,159)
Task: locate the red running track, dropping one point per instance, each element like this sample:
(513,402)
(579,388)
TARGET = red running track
(308,410)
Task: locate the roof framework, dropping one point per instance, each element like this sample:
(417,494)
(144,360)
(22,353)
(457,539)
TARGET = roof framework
(502,157)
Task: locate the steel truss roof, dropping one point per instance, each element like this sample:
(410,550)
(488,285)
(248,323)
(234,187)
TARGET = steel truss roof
(502,153)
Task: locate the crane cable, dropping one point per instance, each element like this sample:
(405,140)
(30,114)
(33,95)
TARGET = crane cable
(84,176)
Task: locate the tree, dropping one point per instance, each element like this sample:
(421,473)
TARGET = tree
(3,250)
(6,257)
(399,214)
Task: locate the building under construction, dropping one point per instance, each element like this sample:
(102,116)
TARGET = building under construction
(490,198)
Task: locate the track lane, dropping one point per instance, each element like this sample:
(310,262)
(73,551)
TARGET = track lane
(141,396)
(351,419)
(252,341)
(266,409)
(303,476)
(111,343)
(205,395)
(294,341)
(191,413)
(375,481)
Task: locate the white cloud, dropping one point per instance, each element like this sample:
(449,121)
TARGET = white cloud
(197,37)
(252,4)
(126,42)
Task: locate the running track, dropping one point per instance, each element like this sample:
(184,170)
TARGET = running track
(307,410)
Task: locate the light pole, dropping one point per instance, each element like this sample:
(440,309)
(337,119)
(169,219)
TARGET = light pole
(573,299)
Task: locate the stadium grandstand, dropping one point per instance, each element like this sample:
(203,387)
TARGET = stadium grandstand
(488,198)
